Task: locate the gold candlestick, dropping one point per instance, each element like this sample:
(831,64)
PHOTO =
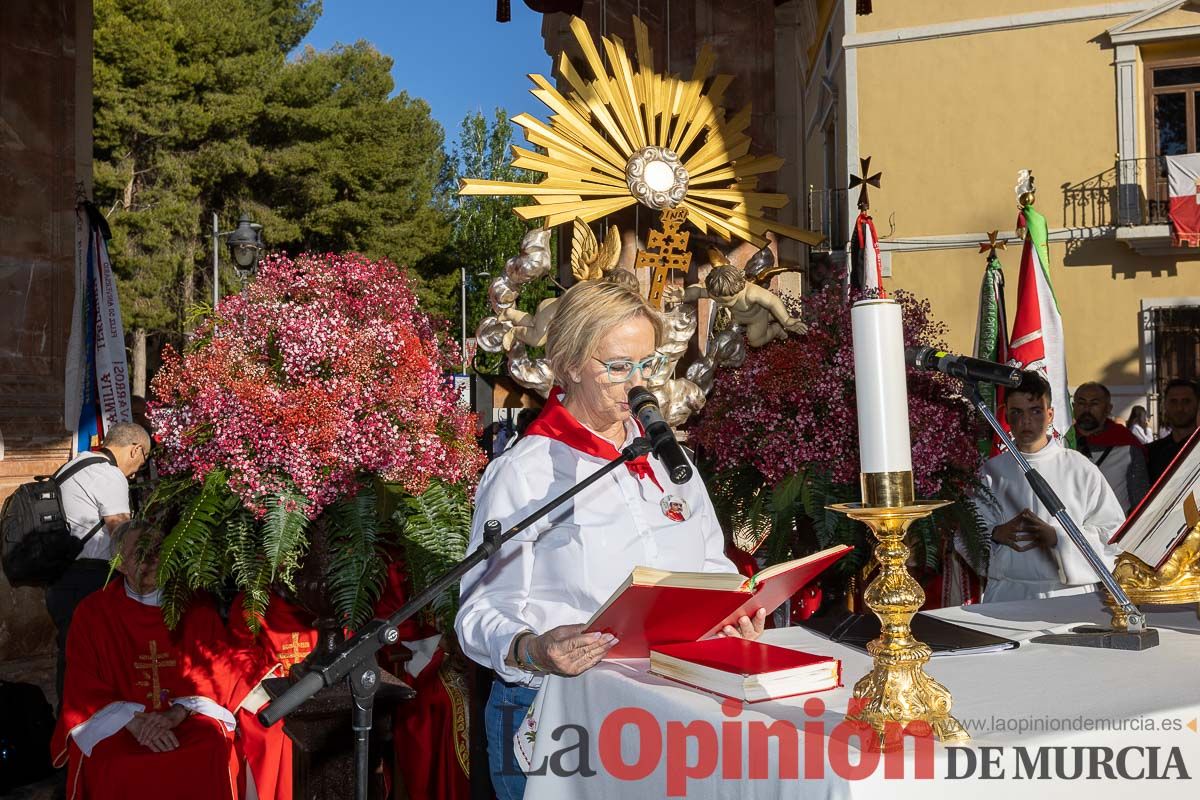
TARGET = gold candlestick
(896,692)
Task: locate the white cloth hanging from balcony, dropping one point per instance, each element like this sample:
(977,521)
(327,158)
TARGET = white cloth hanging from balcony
(1183,177)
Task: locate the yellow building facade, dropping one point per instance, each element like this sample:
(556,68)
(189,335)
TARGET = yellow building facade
(951,99)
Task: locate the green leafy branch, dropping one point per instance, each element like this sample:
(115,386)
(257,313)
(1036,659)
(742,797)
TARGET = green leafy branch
(435,528)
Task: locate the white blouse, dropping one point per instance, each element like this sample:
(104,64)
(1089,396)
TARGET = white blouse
(563,568)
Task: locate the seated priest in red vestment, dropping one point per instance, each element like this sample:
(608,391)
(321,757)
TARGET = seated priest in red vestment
(284,638)
(432,741)
(142,712)
(431,729)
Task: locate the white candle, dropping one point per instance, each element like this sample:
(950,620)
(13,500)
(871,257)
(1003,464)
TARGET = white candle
(883,443)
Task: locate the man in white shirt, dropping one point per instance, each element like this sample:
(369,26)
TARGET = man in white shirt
(1031,555)
(97,495)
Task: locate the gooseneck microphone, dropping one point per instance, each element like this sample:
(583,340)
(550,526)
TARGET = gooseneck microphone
(963,367)
(662,439)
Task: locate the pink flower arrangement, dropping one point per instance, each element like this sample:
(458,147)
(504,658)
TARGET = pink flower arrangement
(791,406)
(324,370)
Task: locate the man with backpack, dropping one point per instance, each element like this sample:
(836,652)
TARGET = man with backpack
(95,500)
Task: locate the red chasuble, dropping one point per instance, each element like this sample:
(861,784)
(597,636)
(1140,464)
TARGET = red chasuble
(431,729)
(121,651)
(432,744)
(284,639)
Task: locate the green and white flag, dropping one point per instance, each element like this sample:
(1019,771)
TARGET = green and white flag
(991,334)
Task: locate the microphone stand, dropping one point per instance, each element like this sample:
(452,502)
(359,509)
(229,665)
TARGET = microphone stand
(1136,636)
(355,660)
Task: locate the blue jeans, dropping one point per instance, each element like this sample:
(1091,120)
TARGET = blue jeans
(506,708)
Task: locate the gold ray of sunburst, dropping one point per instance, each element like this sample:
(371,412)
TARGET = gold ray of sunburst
(600,126)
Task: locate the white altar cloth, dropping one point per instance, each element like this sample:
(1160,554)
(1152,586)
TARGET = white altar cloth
(1039,707)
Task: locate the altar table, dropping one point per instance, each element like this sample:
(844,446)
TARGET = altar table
(1126,722)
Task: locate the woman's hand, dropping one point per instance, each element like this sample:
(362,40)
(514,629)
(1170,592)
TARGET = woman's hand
(748,628)
(567,650)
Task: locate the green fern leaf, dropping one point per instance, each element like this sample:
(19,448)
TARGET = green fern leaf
(435,529)
(283,534)
(189,558)
(356,571)
(174,600)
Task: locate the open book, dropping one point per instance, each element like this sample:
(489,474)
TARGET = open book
(655,607)
(745,670)
(1168,512)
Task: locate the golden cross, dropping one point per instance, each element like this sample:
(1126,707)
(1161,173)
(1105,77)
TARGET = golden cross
(293,652)
(864,202)
(670,252)
(150,678)
(992,245)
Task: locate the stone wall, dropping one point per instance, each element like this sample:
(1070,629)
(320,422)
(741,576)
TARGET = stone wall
(741,33)
(45,161)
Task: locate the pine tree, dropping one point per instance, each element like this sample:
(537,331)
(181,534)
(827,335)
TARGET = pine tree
(346,166)
(199,111)
(176,86)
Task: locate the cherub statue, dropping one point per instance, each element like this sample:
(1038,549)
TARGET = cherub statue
(758,310)
(528,329)
(590,261)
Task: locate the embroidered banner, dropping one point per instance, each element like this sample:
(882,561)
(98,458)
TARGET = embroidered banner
(97,373)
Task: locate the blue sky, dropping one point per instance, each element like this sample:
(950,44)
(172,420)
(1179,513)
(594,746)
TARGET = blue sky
(452,53)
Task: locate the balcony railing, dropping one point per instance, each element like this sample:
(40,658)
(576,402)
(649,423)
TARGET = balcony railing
(1091,203)
(1142,193)
(827,214)
(1133,192)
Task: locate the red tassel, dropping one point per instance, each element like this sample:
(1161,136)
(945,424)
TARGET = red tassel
(504,10)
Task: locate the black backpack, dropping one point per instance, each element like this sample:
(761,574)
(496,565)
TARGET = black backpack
(37,542)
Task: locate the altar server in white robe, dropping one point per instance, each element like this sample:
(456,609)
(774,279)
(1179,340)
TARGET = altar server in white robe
(1031,555)
(523,612)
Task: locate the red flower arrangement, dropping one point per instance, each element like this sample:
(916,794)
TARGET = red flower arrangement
(322,371)
(312,417)
(791,405)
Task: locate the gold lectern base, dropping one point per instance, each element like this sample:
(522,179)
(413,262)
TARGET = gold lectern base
(1177,582)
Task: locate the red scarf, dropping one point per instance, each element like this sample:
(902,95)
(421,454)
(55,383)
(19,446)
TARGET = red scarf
(556,422)
(1113,434)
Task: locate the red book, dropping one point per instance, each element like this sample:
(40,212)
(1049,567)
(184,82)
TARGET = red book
(654,606)
(745,670)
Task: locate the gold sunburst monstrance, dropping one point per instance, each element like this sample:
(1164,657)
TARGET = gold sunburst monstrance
(628,134)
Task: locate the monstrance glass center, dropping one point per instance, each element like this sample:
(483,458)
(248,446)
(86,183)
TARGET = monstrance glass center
(659,176)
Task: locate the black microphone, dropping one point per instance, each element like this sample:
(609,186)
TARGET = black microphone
(963,367)
(662,439)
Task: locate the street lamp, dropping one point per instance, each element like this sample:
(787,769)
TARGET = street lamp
(485,276)
(245,244)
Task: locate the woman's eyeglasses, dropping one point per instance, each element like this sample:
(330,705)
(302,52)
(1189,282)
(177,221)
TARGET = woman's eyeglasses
(620,370)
